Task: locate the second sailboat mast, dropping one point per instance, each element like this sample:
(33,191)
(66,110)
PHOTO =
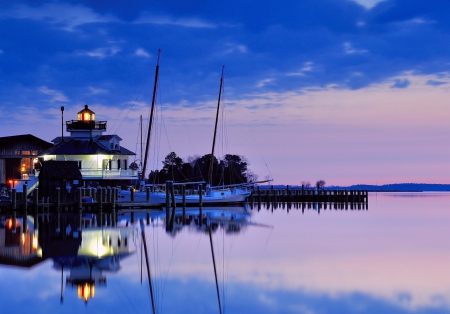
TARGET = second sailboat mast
(215,129)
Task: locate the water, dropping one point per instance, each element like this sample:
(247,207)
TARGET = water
(392,258)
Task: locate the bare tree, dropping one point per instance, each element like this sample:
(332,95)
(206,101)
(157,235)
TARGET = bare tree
(251,176)
(320,184)
(306,184)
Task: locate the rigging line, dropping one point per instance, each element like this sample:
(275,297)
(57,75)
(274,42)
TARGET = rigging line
(268,238)
(165,131)
(168,269)
(252,133)
(223,267)
(124,294)
(182,113)
(157,147)
(137,137)
(134,102)
(157,265)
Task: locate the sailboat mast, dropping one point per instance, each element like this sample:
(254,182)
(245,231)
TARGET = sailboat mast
(215,271)
(215,128)
(140,123)
(155,85)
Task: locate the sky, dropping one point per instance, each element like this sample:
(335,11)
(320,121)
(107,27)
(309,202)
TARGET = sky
(348,91)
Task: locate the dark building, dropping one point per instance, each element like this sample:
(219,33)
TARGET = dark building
(59,174)
(19,156)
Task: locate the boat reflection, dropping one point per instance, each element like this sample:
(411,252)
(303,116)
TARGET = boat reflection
(232,219)
(86,251)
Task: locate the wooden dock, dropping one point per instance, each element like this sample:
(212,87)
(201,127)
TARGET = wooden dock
(104,200)
(302,195)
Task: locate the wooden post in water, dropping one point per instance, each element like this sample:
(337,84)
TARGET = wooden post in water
(132,194)
(58,210)
(14,203)
(36,208)
(80,207)
(147,191)
(113,207)
(168,198)
(100,205)
(259,196)
(200,203)
(174,205)
(109,195)
(183,192)
(25,207)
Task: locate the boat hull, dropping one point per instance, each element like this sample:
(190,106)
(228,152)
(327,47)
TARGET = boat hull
(159,198)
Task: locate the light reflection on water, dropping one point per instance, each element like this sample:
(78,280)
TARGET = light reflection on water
(391,258)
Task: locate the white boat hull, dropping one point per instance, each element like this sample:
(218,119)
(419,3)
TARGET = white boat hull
(212,197)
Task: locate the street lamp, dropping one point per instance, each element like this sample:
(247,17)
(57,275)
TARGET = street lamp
(13,183)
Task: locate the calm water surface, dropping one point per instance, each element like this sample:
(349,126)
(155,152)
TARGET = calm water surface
(392,258)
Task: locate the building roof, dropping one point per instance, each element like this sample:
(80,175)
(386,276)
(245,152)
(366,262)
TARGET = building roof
(75,146)
(13,141)
(108,137)
(56,169)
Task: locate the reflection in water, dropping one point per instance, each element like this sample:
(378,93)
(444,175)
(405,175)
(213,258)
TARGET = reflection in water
(88,251)
(282,258)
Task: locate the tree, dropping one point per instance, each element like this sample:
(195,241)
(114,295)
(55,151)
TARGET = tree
(320,184)
(234,169)
(230,169)
(172,166)
(306,184)
(251,176)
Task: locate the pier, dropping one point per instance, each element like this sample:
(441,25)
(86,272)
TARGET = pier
(105,200)
(303,195)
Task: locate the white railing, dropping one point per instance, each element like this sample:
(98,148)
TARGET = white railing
(108,174)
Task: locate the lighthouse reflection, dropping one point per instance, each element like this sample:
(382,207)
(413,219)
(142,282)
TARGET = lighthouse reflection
(90,253)
(84,252)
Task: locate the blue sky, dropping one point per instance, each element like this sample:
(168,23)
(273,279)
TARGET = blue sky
(341,90)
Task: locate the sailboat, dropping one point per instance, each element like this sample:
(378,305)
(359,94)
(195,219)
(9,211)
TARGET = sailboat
(213,195)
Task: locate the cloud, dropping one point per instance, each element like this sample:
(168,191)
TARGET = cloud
(235,48)
(435,83)
(401,83)
(56,95)
(307,67)
(348,48)
(368,3)
(147,18)
(102,53)
(142,53)
(63,15)
(264,82)
(95,91)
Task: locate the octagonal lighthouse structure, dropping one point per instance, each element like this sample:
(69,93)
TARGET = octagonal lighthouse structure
(100,158)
